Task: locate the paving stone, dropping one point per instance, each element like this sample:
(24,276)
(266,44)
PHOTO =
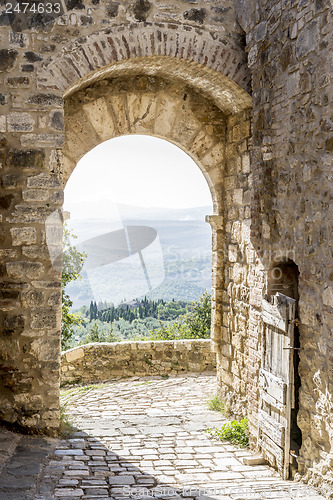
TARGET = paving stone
(106,467)
(122,480)
(68,482)
(11,482)
(16,495)
(72,493)
(68,452)
(77,472)
(96,491)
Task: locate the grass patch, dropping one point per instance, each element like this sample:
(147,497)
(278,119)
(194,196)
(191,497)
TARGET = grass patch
(216,404)
(75,382)
(66,427)
(67,395)
(73,391)
(235,432)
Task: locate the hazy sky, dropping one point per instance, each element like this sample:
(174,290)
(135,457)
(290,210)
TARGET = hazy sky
(138,170)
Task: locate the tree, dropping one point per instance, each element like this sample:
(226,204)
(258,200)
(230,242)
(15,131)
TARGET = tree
(192,325)
(113,336)
(95,334)
(72,263)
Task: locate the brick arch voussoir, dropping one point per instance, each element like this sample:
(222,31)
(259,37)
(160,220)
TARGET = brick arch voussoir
(85,56)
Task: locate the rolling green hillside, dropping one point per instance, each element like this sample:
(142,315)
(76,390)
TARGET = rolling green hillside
(174,262)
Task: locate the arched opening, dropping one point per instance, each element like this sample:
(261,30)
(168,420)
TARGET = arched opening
(283,278)
(137,205)
(166,109)
(214,133)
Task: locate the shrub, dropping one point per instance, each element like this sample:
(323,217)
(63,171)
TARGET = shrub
(234,431)
(194,324)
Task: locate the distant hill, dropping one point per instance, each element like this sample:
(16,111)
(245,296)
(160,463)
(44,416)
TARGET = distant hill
(105,209)
(177,264)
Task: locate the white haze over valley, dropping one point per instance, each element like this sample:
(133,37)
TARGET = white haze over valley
(124,191)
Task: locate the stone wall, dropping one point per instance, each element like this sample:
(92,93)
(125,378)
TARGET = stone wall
(102,361)
(232,245)
(290,58)
(178,70)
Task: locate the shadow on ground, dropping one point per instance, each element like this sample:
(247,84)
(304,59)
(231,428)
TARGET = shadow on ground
(80,466)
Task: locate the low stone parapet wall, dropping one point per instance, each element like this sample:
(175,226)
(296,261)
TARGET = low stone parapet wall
(102,361)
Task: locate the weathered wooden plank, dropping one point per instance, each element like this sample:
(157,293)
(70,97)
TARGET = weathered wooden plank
(272,401)
(271,315)
(274,386)
(267,444)
(283,300)
(274,429)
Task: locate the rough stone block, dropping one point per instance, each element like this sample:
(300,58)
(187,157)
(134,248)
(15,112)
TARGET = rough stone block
(7,59)
(24,270)
(20,122)
(328,296)
(100,118)
(43,100)
(32,158)
(57,120)
(238,197)
(35,195)
(43,181)
(214,157)
(42,140)
(5,201)
(23,235)
(141,10)
(18,81)
(232,253)
(33,298)
(13,323)
(43,318)
(74,355)
(3,123)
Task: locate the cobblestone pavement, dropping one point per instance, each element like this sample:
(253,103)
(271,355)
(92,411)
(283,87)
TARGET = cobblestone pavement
(140,438)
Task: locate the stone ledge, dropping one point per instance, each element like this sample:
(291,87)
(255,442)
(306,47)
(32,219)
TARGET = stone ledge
(101,361)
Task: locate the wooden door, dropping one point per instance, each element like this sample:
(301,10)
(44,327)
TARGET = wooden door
(276,382)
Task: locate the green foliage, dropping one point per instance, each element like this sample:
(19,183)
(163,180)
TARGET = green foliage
(100,332)
(146,320)
(94,334)
(113,336)
(72,263)
(194,324)
(136,310)
(66,427)
(234,431)
(216,404)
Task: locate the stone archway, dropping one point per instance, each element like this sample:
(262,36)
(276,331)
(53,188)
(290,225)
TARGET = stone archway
(170,109)
(219,55)
(201,110)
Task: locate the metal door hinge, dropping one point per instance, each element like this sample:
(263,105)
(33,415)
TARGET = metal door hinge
(295,321)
